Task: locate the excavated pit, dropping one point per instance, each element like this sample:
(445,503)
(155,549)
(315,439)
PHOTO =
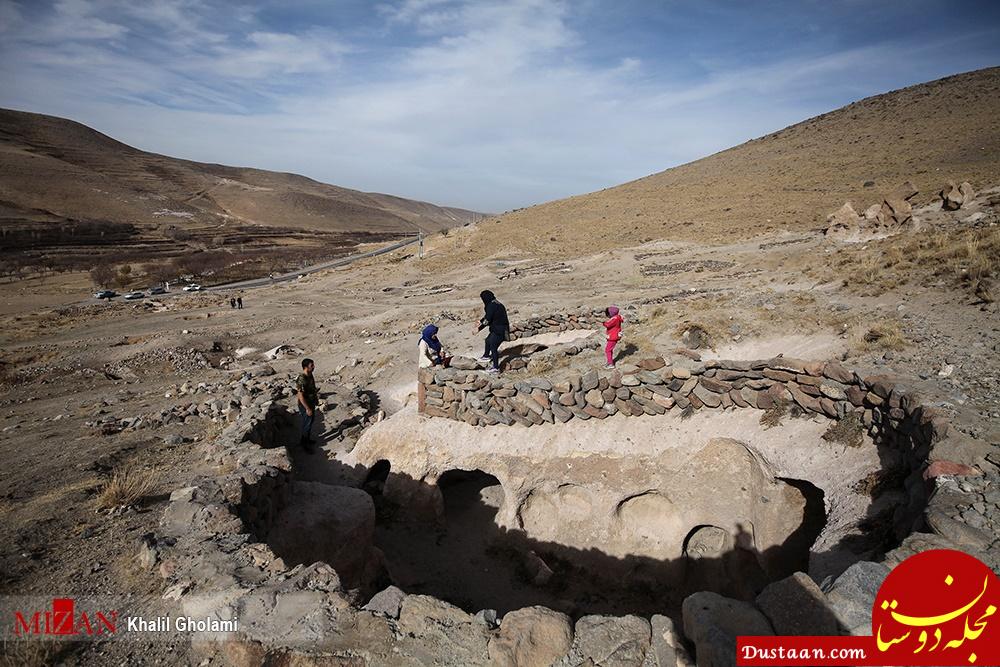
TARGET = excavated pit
(615,517)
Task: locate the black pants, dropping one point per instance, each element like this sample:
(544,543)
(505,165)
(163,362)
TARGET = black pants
(307,421)
(493,348)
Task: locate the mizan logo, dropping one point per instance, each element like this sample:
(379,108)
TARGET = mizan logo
(63,620)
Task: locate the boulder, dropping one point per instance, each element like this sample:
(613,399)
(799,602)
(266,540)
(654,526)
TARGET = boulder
(712,623)
(610,640)
(386,602)
(440,633)
(666,647)
(852,595)
(796,606)
(844,223)
(529,637)
(954,197)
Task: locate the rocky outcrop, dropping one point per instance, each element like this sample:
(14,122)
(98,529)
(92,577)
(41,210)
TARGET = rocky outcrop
(844,224)
(954,197)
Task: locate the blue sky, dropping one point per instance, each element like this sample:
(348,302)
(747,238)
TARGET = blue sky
(484,105)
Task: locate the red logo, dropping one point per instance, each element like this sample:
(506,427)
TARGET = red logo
(63,620)
(938,608)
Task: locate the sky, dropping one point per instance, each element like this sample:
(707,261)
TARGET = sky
(486,105)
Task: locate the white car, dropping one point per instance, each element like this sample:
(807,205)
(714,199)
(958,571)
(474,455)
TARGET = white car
(192,288)
(134,295)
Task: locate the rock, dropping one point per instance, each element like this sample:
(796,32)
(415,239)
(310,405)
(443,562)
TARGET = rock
(709,398)
(681,373)
(487,617)
(630,381)
(666,646)
(537,569)
(652,363)
(852,595)
(594,398)
(796,606)
(938,468)
(622,641)
(148,555)
(386,602)
(282,352)
(843,224)
(712,623)
(955,197)
(530,637)
(464,363)
(439,629)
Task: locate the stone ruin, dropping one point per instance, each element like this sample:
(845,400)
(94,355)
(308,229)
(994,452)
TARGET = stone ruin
(292,557)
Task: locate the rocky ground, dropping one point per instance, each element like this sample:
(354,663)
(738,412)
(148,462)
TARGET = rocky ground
(91,390)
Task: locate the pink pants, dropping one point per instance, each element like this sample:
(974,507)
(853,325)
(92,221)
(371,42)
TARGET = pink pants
(609,351)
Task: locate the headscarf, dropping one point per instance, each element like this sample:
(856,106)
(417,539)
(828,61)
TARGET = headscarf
(487,296)
(427,335)
(612,310)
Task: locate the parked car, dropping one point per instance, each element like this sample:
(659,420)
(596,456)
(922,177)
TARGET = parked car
(134,295)
(157,290)
(192,288)
(105,294)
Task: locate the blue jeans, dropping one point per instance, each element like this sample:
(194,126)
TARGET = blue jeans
(307,421)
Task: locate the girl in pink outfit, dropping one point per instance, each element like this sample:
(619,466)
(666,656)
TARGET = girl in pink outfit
(614,327)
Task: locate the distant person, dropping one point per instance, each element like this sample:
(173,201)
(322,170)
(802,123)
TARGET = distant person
(239,303)
(232,302)
(614,329)
(308,400)
(495,319)
(431,352)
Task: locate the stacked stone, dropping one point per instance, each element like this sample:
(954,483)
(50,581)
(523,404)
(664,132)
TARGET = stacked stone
(534,325)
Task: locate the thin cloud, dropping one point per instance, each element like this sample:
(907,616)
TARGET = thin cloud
(487,105)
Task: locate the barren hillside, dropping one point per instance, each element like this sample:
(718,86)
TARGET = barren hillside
(929,133)
(67,169)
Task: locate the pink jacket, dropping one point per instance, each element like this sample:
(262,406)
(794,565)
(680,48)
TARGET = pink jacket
(614,327)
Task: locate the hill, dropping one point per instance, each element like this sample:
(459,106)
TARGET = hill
(928,133)
(64,185)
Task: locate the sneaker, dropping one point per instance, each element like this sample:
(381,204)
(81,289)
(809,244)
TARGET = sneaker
(609,367)
(483,359)
(493,371)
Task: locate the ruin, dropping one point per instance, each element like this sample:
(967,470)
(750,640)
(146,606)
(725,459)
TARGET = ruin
(508,530)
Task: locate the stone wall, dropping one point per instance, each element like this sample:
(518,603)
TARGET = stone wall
(534,325)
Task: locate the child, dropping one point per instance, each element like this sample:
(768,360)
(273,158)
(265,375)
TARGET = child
(614,327)
(431,353)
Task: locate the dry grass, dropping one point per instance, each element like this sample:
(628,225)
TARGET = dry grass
(887,335)
(876,482)
(848,431)
(961,256)
(128,485)
(773,415)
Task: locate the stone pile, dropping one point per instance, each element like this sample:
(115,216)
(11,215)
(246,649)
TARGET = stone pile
(954,197)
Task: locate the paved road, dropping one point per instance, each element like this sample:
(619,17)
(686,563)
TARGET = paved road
(332,264)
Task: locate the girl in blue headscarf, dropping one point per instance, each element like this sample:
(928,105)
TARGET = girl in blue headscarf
(431,352)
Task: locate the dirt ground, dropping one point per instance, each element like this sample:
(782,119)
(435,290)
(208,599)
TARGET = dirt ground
(68,371)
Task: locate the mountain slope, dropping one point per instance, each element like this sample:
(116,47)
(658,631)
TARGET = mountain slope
(70,171)
(928,133)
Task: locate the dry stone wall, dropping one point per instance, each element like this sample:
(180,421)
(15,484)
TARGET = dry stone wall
(534,325)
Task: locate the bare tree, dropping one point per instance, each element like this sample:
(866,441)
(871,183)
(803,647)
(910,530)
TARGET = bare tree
(102,275)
